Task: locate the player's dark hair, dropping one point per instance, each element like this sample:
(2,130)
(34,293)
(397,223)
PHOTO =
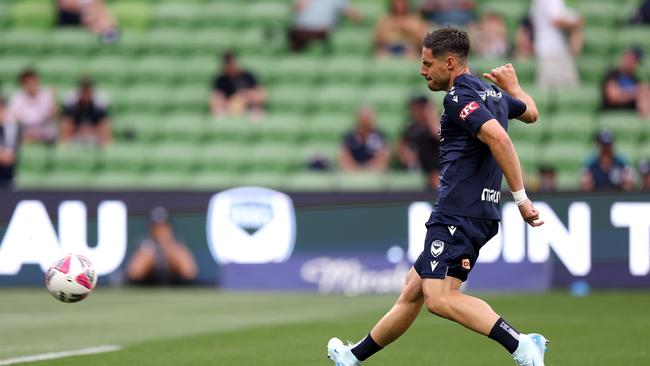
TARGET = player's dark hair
(447,40)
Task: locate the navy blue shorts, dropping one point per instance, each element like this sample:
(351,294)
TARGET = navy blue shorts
(452,245)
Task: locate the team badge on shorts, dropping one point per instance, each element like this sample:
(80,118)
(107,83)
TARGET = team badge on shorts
(466,264)
(437,247)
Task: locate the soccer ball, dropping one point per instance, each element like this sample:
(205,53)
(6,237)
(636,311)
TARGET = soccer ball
(71,278)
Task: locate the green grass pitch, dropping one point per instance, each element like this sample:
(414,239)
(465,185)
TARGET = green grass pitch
(207,327)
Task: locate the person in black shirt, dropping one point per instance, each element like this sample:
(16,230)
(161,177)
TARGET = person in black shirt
(236,90)
(418,147)
(622,89)
(364,148)
(607,171)
(9,138)
(85,116)
(475,153)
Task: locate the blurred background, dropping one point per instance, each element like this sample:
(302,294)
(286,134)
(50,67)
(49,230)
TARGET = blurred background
(281,145)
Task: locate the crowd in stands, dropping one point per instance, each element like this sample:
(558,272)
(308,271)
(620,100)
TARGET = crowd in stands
(550,32)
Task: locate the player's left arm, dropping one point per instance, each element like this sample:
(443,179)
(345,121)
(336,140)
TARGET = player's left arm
(497,139)
(505,78)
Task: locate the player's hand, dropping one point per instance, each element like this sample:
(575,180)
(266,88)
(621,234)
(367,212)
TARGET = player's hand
(530,214)
(504,77)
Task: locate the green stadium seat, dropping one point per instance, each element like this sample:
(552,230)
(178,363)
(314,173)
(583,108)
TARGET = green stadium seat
(229,129)
(11,67)
(352,41)
(598,41)
(190,97)
(345,69)
(32,14)
(269,14)
(310,181)
(66,180)
(26,179)
(62,69)
(330,126)
(156,69)
(264,179)
(525,70)
(274,157)
(213,180)
(568,180)
(512,10)
(35,158)
(592,69)
(337,97)
(117,180)
(286,128)
(73,158)
(109,69)
(165,180)
(572,127)
(224,157)
(321,150)
(386,98)
(601,13)
(175,14)
(174,158)
(522,133)
(565,156)
(360,182)
(529,156)
(405,181)
(633,36)
(132,14)
(27,42)
(128,158)
(66,42)
(290,98)
(583,99)
(625,125)
(131,43)
(5,11)
(480,65)
(143,97)
(198,69)
(225,13)
(395,71)
(187,128)
(303,69)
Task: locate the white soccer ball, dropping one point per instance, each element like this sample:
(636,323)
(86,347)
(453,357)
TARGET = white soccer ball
(71,278)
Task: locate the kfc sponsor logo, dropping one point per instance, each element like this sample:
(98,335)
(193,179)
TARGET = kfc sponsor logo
(468,109)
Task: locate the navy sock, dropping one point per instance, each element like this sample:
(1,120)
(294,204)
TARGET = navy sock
(366,348)
(506,335)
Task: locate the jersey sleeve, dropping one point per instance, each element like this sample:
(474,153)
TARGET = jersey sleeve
(467,110)
(516,107)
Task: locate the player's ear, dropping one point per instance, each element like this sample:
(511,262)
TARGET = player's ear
(451,63)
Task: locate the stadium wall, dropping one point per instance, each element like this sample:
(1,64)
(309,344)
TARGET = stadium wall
(255,238)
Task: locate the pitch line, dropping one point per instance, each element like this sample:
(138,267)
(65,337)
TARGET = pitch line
(62,354)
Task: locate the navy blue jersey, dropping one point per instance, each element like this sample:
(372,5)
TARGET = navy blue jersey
(470,180)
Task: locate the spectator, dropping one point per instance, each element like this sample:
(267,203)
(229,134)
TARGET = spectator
(365,148)
(93,14)
(161,259)
(400,32)
(236,90)
(622,89)
(644,170)
(555,65)
(314,20)
(642,15)
(418,146)
(9,137)
(85,116)
(34,108)
(449,12)
(607,171)
(524,40)
(547,179)
(491,37)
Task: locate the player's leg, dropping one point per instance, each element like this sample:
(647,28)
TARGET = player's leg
(391,326)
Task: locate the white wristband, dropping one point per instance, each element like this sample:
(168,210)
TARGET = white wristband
(520,197)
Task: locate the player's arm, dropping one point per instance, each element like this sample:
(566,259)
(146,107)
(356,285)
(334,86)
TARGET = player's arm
(497,139)
(505,78)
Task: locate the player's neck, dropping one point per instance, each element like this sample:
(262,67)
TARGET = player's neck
(462,70)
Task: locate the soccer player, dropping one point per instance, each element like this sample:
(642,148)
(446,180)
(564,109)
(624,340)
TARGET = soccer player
(475,153)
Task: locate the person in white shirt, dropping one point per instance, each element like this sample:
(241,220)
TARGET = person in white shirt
(34,108)
(8,147)
(558,37)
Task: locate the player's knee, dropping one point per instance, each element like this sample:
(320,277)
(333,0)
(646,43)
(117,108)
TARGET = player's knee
(439,305)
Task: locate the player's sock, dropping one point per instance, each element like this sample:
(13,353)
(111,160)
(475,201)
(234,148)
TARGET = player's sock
(366,348)
(506,335)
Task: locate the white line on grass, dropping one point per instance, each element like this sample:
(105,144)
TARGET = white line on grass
(55,355)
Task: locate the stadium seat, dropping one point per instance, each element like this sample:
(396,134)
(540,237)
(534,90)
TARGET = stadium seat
(598,41)
(601,13)
(60,179)
(66,42)
(405,181)
(11,66)
(395,71)
(213,180)
(337,97)
(592,69)
(568,180)
(32,14)
(321,150)
(298,69)
(274,157)
(116,180)
(352,41)
(310,181)
(185,128)
(583,99)
(529,156)
(330,127)
(578,127)
(269,14)
(287,128)
(174,158)
(632,36)
(225,13)
(62,69)
(290,98)
(190,98)
(169,14)
(360,182)
(108,69)
(565,156)
(128,158)
(23,42)
(522,133)
(164,180)
(35,158)
(72,158)
(263,179)
(132,14)
(229,129)
(348,69)
(386,98)
(625,125)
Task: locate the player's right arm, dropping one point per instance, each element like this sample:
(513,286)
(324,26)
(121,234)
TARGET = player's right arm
(497,139)
(505,78)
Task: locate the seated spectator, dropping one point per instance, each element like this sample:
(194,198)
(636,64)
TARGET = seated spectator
(490,40)
(365,148)
(161,259)
(642,15)
(93,14)
(547,179)
(400,32)
(644,171)
(622,89)
(34,108)
(85,116)
(9,137)
(524,40)
(236,90)
(556,68)
(449,12)
(314,21)
(418,147)
(607,171)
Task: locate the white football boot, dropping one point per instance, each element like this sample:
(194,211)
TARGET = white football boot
(531,350)
(341,354)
